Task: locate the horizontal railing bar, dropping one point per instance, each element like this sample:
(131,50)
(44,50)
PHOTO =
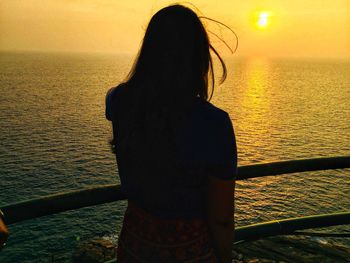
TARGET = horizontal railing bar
(292,166)
(289,226)
(318,234)
(61,202)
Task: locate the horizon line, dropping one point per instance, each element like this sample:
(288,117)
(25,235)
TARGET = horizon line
(133,54)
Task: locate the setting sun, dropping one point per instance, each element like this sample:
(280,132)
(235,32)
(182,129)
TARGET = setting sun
(262,20)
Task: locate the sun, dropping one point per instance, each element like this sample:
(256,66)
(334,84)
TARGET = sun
(262,19)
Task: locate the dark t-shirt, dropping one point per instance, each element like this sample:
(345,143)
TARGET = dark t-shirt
(168,183)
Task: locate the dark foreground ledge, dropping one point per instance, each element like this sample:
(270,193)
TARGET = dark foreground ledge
(268,250)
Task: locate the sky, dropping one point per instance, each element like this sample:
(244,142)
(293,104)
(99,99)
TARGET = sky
(265,28)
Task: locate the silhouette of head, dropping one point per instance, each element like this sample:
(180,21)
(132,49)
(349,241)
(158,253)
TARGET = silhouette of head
(169,74)
(174,60)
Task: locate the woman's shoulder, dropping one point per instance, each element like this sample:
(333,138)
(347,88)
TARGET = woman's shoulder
(112,92)
(111,97)
(209,121)
(209,140)
(211,112)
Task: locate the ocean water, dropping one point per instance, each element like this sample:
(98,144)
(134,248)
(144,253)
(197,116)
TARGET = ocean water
(54,138)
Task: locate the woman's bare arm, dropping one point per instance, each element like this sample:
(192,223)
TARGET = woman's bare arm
(220,209)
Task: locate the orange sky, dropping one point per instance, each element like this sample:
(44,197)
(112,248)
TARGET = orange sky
(297,28)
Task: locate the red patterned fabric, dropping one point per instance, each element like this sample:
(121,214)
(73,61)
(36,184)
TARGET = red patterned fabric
(145,238)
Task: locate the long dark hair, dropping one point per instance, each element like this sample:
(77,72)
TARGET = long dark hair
(176,50)
(172,69)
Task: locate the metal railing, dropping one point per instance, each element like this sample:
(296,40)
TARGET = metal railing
(61,202)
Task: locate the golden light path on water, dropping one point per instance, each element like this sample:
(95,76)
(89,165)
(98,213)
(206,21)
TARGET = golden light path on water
(256,105)
(249,96)
(255,97)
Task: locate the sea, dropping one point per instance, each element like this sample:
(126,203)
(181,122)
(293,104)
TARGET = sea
(54,138)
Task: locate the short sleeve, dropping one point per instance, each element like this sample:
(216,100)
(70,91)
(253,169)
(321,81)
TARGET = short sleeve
(221,161)
(108,111)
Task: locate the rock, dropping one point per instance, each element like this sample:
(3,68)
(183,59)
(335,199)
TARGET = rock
(94,251)
(268,261)
(236,255)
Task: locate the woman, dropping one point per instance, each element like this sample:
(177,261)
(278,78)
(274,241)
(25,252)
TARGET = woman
(176,152)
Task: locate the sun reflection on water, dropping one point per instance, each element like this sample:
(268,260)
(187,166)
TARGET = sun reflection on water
(255,112)
(257,71)
(255,107)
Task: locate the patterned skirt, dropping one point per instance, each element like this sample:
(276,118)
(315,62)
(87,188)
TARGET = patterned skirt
(145,238)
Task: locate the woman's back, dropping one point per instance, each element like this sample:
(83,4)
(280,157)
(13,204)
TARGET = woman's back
(165,175)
